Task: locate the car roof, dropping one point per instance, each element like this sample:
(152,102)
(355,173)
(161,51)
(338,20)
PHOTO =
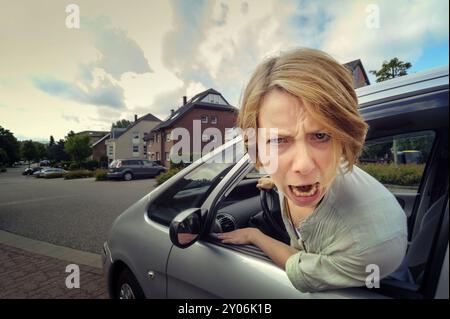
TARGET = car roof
(422,82)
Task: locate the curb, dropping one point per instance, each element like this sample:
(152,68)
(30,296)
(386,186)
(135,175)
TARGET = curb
(50,250)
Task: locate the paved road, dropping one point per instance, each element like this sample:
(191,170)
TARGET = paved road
(71,213)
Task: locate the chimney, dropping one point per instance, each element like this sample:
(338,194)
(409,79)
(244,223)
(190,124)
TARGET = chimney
(135,117)
(172,111)
(184,100)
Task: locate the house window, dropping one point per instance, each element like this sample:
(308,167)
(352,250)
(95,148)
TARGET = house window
(158,158)
(135,148)
(145,149)
(204,118)
(205,137)
(213,119)
(214,99)
(110,150)
(167,157)
(157,138)
(168,136)
(136,138)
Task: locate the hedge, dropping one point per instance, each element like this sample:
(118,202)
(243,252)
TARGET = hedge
(78,174)
(100,174)
(404,174)
(161,178)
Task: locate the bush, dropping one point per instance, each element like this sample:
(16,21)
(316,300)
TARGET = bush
(79,174)
(100,174)
(161,178)
(91,165)
(54,175)
(404,174)
(74,166)
(65,164)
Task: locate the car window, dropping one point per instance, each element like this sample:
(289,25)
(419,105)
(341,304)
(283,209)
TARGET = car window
(398,162)
(192,189)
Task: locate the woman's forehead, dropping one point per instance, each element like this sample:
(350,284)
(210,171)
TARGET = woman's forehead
(285,112)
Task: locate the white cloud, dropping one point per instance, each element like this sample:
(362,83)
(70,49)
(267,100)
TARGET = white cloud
(405,29)
(189,46)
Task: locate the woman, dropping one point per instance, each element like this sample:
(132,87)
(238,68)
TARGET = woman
(341,220)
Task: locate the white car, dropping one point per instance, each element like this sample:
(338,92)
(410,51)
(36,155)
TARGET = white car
(47,171)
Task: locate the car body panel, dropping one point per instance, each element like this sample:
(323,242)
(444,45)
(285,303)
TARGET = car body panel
(144,239)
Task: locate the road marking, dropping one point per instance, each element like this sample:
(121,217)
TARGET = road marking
(35,200)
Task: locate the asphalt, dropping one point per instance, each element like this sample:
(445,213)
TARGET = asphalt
(71,213)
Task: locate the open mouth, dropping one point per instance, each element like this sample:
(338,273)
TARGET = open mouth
(305,190)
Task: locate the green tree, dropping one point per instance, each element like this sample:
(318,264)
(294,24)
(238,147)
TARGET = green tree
(392,69)
(29,151)
(78,147)
(41,151)
(3,157)
(10,145)
(59,152)
(51,149)
(121,124)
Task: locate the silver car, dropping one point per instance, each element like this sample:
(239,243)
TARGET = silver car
(165,245)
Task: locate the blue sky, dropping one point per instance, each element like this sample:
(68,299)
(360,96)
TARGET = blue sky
(126,60)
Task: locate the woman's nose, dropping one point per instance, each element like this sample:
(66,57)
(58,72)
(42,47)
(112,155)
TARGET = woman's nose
(302,162)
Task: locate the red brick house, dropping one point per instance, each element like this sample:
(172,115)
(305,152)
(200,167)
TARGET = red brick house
(99,147)
(360,78)
(208,109)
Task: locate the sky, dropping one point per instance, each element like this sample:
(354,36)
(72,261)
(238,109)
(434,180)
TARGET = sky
(138,57)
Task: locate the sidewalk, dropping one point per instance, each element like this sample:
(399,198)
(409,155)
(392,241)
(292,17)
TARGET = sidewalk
(34,269)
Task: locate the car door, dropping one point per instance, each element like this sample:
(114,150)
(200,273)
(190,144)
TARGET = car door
(149,168)
(136,167)
(212,270)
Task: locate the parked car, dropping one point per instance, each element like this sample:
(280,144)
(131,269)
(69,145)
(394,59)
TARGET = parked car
(31,170)
(37,173)
(47,171)
(128,169)
(44,163)
(165,245)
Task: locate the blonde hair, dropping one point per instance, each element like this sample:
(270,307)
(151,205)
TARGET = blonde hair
(323,85)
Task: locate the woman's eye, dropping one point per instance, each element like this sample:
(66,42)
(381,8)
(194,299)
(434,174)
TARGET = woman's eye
(321,137)
(276,141)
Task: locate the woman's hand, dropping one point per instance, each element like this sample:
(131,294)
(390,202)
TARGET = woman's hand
(278,251)
(265,183)
(241,236)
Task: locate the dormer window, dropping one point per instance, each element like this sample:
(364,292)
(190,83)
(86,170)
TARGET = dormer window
(204,118)
(214,99)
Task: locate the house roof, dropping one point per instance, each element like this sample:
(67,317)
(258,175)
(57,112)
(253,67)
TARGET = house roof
(92,133)
(117,132)
(102,139)
(196,101)
(353,65)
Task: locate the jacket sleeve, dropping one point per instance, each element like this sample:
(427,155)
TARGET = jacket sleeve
(310,272)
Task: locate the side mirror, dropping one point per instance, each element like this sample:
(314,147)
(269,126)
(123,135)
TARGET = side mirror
(185,228)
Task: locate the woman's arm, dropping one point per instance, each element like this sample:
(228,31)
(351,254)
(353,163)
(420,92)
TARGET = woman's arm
(276,250)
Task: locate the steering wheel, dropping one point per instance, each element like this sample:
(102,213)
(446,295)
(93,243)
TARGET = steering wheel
(271,212)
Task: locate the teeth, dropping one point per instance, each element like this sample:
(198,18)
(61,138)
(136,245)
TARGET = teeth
(311,192)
